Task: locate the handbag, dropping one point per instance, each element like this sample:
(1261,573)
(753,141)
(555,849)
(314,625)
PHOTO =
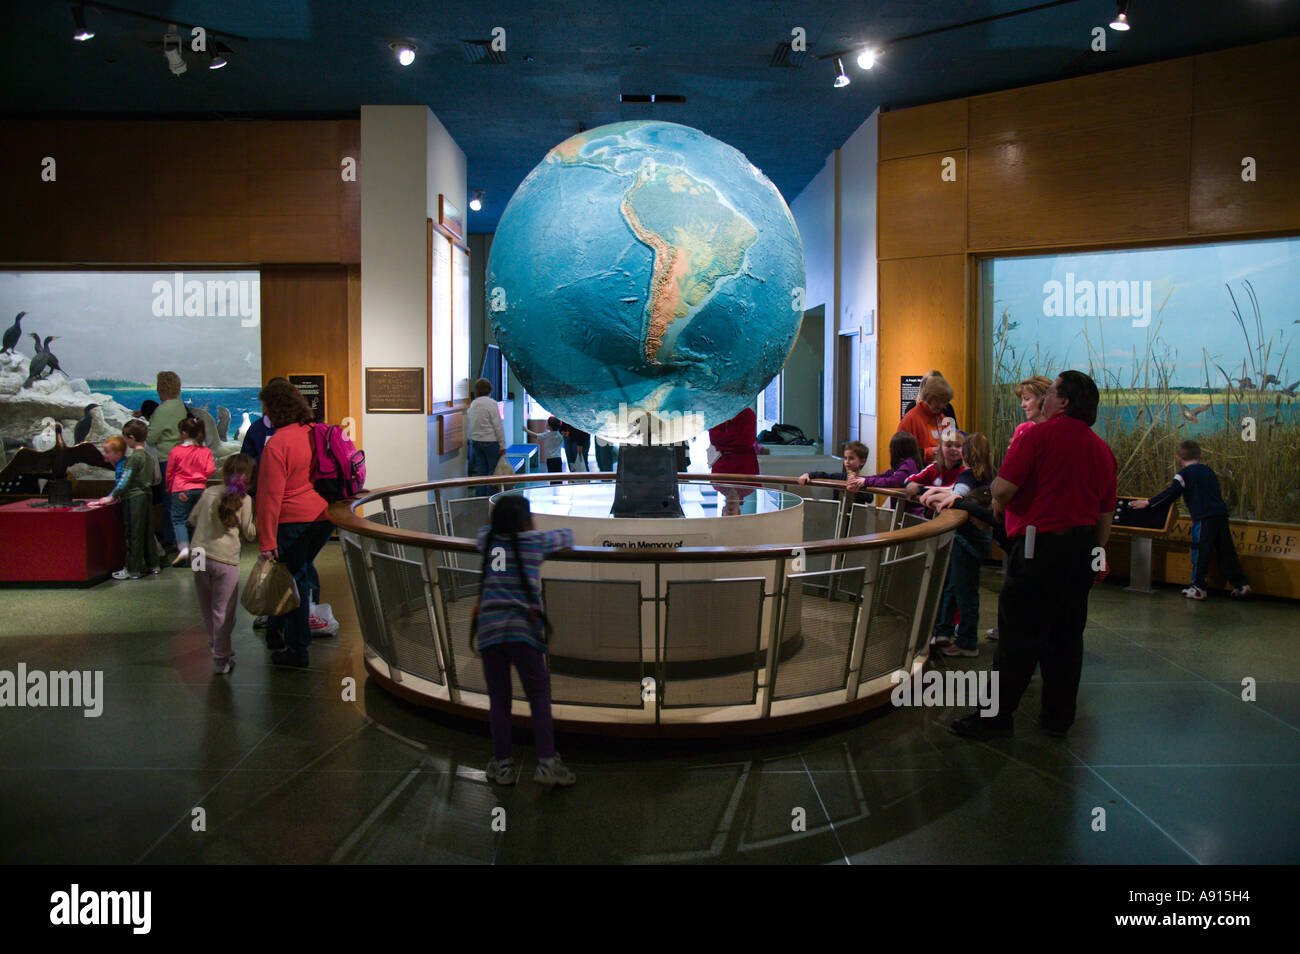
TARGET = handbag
(269,589)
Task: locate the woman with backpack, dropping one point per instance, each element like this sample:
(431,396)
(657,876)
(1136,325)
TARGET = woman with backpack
(291,522)
(510,628)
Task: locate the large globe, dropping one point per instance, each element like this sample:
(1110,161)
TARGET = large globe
(645,271)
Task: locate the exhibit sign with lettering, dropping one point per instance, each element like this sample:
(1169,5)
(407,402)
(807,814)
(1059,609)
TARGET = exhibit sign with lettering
(909,391)
(311,385)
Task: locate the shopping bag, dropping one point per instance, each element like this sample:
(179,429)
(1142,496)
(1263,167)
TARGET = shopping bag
(269,589)
(504,468)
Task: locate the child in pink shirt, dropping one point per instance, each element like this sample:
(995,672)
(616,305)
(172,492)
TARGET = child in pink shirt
(189,465)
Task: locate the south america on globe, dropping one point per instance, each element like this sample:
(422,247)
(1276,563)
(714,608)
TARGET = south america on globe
(645,271)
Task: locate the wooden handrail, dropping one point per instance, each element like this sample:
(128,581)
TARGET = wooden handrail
(342,513)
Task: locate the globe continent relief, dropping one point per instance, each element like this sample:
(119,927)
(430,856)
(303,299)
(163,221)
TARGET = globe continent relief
(645,267)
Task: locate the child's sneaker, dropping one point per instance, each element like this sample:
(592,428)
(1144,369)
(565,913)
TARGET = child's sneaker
(322,628)
(991,634)
(503,773)
(225,668)
(952,649)
(125,574)
(553,772)
(155,570)
(1195,593)
(1241,591)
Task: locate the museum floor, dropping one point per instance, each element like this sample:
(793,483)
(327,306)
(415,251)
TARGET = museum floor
(287,772)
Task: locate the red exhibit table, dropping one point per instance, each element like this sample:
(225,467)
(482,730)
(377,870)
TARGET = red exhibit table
(69,545)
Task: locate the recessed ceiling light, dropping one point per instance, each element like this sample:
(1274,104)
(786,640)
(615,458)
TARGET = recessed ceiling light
(867,59)
(476,203)
(405,52)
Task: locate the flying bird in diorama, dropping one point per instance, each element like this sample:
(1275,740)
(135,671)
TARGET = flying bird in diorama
(52,465)
(13,333)
(1193,415)
(43,361)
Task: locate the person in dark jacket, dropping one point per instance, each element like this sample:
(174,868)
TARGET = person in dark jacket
(1210,530)
(855,458)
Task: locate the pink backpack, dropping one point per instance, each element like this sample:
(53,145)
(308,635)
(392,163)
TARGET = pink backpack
(338,469)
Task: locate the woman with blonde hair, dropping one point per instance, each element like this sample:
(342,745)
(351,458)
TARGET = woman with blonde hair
(926,419)
(1031,391)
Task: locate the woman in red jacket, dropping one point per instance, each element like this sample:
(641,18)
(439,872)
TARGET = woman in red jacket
(291,521)
(735,441)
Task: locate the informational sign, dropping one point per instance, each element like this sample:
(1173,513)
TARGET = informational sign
(394,390)
(909,391)
(650,541)
(311,385)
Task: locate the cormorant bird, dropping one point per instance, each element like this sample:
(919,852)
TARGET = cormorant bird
(223,423)
(13,333)
(53,465)
(83,426)
(44,360)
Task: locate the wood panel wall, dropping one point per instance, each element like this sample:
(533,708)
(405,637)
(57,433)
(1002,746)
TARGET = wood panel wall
(152,192)
(1148,155)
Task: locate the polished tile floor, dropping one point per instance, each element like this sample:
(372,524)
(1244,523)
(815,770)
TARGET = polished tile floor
(285,770)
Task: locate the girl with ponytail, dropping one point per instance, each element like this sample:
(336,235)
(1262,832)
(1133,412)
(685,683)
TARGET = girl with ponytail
(222,516)
(510,628)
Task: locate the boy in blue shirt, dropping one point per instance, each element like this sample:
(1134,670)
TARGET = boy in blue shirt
(1210,531)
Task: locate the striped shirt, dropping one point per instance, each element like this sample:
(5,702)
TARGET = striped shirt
(504,604)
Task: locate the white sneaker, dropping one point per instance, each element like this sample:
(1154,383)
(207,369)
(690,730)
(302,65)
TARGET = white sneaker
(225,668)
(125,574)
(1242,591)
(1195,593)
(991,634)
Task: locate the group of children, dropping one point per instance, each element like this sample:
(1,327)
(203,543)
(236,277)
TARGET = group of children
(219,515)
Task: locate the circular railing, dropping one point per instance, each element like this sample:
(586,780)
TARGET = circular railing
(694,640)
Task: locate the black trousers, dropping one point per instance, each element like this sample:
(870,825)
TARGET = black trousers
(1211,535)
(1041,615)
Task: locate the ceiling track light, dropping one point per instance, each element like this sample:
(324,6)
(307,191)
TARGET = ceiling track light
(476,203)
(218,59)
(1120,22)
(867,58)
(842,79)
(79,18)
(172,50)
(405,52)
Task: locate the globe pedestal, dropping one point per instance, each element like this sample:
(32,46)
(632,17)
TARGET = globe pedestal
(767,515)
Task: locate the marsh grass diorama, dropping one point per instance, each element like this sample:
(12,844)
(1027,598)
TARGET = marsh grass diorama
(1143,415)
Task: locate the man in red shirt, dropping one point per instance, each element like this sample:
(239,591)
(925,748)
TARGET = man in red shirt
(1057,488)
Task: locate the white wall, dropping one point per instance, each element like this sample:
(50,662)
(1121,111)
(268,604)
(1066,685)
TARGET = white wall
(814,213)
(858,303)
(836,215)
(407,158)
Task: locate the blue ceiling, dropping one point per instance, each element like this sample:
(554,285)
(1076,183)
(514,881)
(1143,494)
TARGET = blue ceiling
(566,63)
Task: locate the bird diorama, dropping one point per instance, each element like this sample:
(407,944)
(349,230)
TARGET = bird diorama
(43,361)
(51,465)
(82,430)
(13,334)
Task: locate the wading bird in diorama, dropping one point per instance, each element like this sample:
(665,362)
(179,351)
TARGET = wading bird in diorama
(51,465)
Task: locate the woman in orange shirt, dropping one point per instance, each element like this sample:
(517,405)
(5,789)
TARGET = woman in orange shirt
(924,420)
(291,522)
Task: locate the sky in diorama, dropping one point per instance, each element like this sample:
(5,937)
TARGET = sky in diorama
(1193,341)
(118,329)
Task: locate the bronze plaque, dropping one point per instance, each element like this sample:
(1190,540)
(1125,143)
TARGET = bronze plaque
(451,432)
(394,390)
